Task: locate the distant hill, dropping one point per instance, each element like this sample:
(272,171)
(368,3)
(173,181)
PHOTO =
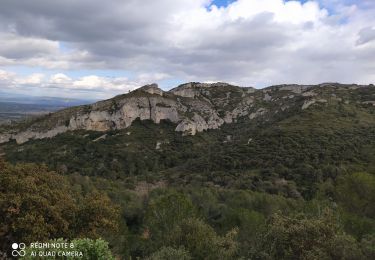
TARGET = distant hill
(41,100)
(16,107)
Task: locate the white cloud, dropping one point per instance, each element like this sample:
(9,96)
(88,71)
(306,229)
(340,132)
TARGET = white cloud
(90,82)
(291,12)
(60,78)
(6,76)
(33,79)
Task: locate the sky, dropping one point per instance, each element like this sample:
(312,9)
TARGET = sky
(96,49)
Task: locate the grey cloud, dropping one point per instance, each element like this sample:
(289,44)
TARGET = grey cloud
(366,35)
(13,47)
(86,20)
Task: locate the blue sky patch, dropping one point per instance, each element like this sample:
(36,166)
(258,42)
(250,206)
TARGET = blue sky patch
(222,3)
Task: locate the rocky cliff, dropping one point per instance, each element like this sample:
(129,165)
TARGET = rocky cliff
(193,107)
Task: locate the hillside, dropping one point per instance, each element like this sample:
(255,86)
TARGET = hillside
(267,161)
(193,107)
(278,134)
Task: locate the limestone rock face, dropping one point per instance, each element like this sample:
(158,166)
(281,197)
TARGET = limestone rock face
(186,90)
(309,94)
(190,127)
(198,124)
(259,112)
(94,120)
(239,111)
(308,103)
(297,89)
(369,103)
(152,89)
(187,127)
(163,109)
(267,97)
(23,137)
(145,108)
(5,138)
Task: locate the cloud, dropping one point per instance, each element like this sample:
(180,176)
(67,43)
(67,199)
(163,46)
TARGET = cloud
(14,46)
(33,79)
(248,42)
(60,78)
(6,76)
(366,35)
(93,82)
(61,85)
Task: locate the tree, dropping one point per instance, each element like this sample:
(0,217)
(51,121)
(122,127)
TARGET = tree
(164,212)
(37,205)
(356,193)
(368,246)
(170,253)
(202,241)
(307,238)
(96,215)
(93,249)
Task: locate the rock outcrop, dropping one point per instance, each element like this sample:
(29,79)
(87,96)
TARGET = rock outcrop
(311,102)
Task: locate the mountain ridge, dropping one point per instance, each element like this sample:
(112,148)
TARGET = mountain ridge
(194,107)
